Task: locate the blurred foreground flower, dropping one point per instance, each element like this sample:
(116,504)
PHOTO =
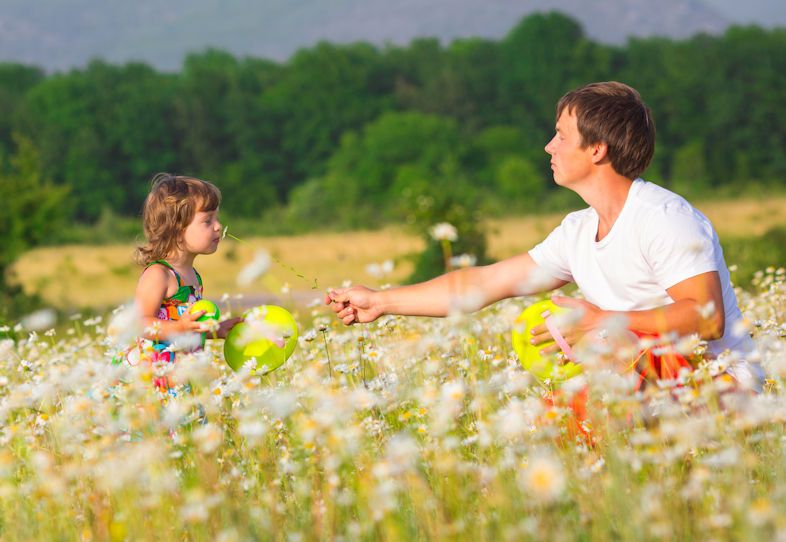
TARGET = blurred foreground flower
(258,267)
(444,232)
(125,325)
(38,320)
(544,478)
(463,260)
(380,270)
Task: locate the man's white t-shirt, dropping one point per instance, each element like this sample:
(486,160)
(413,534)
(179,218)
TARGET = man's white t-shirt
(657,241)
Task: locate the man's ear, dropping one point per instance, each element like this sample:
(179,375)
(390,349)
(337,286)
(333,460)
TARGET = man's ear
(599,152)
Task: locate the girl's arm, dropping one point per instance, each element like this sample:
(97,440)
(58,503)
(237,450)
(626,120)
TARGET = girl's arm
(150,292)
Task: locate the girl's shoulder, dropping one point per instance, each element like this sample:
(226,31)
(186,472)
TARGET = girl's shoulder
(156,270)
(157,276)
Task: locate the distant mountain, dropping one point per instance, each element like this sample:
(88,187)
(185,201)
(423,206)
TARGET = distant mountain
(60,34)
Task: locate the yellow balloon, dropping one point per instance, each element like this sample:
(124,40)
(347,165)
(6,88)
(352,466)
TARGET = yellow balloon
(542,366)
(268,335)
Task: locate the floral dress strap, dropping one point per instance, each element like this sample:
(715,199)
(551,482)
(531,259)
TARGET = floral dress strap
(173,307)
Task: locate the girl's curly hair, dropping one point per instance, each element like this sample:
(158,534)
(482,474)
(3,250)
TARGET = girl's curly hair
(169,208)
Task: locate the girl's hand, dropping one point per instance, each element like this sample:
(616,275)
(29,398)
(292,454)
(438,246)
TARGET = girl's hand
(225,326)
(188,323)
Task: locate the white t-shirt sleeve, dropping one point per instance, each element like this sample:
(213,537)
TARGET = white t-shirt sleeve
(552,254)
(679,245)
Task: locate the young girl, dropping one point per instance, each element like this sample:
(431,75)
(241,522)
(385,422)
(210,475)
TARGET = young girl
(180,218)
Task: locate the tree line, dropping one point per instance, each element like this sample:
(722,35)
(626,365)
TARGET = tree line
(354,134)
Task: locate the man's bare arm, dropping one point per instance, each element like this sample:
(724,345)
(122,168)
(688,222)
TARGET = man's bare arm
(697,308)
(464,289)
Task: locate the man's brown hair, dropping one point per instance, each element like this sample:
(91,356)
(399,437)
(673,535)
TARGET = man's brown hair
(168,210)
(614,113)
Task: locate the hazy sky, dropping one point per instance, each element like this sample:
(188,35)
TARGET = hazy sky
(60,34)
(764,12)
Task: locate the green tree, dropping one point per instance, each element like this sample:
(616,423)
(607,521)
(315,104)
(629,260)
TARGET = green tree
(33,208)
(322,93)
(447,197)
(518,181)
(15,81)
(689,170)
(103,131)
(541,59)
(363,174)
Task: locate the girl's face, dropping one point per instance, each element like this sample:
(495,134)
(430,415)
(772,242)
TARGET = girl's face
(203,234)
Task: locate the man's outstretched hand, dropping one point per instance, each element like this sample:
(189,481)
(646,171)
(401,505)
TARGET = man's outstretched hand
(356,304)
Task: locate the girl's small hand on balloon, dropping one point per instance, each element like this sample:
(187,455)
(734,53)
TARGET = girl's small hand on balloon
(188,322)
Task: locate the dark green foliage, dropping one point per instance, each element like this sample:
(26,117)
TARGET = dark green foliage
(335,136)
(447,197)
(370,171)
(15,81)
(32,209)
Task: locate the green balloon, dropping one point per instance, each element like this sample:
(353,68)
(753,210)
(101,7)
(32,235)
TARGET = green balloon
(268,335)
(210,308)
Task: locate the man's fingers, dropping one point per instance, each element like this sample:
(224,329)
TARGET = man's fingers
(346,311)
(350,319)
(338,306)
(568,302)
(571,338)
(338,296)
(551,349)
(541,338)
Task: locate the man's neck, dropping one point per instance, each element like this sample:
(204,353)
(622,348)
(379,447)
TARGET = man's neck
(607,194)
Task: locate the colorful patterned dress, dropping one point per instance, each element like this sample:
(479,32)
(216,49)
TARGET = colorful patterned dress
(157,352)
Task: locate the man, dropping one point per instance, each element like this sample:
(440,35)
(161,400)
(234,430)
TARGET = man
(638,250)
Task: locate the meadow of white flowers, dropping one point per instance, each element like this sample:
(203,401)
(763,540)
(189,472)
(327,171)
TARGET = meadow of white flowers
(402,429)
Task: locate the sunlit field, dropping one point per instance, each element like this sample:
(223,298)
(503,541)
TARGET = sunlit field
(100,277)
(404,429)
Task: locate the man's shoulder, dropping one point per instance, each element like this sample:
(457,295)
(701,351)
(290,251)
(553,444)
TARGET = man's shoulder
(577,218)
(656,202)
(666,215)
